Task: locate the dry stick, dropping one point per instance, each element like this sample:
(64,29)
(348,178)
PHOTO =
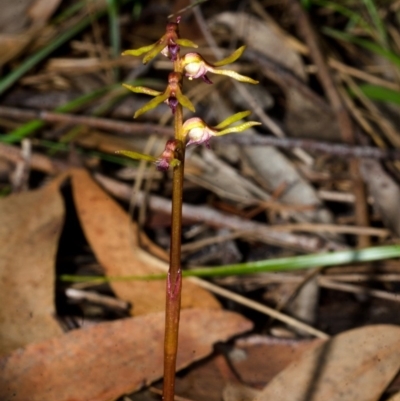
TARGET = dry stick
(341,150)
(217,219)
(122,127)
(290,321)
(94,122)
(37,161)
(201,214)
(346,126)
(335,285)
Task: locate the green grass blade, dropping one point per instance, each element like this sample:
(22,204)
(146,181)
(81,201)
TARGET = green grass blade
(380,93)
(366,44)
(354,17)
(300,262)
(376,19)
(271,265)
(31,126)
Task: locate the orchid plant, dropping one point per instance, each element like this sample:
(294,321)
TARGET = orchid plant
(193,131)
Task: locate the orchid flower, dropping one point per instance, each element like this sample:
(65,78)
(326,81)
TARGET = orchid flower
(172,95)
(163,162)
(199,132)
(196,67)
(168,45)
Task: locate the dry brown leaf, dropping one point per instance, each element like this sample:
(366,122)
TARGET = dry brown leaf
(113,238)
(266,357)
(355,365)
(30,226)
(238,392)
(394,397)
(103,362)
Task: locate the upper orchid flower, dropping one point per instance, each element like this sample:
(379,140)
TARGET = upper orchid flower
(199,132)
(163,162)
(172,95)
(168,44)
(195,67)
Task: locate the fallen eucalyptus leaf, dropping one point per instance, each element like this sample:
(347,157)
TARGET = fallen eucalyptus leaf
(355,365)
(103,362)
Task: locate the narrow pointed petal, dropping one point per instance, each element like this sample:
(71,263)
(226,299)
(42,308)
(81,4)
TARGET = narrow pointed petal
(186,43)
(151,105)
(230,59)
(136,155)
(153,53)
(142,89)
(185,102)
(234,75)
(238,128)
(232,119)
(140,51)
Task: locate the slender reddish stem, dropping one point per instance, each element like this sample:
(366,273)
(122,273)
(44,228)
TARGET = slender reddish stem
(174,279)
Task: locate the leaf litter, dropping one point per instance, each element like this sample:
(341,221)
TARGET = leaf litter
(113,238)
(110,359)
(31,223)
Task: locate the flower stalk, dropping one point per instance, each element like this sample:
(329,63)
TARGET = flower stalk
(193,131)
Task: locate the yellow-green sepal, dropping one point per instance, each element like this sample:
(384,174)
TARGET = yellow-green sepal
(232,119)
(238,128)
(136,155)
(153,53)
(234,75)
(186,43)
(230,59)
(142,89)
(185,102)
(151,105)
(138,52)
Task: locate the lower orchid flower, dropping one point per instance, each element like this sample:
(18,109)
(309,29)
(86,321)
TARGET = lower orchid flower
(199,132)
(163,162)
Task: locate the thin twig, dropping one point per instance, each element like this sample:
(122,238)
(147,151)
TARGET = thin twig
(259,307)
(217,219)
(334,285)
(122,127)
(94,122)
(328,148)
